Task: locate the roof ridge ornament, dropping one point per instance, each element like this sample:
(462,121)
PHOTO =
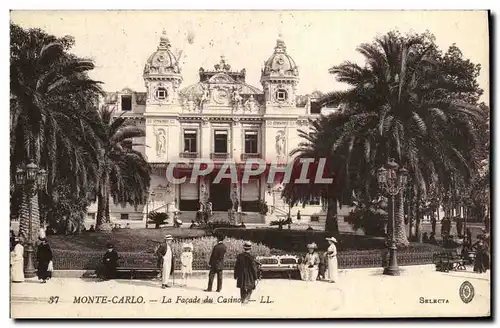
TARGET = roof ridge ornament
(280,45)
(164,41)
(222,65)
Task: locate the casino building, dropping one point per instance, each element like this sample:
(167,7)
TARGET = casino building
(219,118)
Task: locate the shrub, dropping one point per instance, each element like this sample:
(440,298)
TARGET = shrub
(158,219)
(370,217)
(202,248)
(280,222)
(220,224)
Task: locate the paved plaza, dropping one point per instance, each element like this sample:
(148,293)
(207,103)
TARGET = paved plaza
(419,291)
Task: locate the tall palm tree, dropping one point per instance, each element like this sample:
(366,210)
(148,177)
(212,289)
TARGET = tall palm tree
(409,112)
(124,174)
(342,163)
(51,113)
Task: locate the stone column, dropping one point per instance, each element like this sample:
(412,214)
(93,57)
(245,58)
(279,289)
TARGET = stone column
(236,145)
(206,140)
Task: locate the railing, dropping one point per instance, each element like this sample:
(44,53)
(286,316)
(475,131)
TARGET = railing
(219,156)
(188,154)
(278,211)
(246,156)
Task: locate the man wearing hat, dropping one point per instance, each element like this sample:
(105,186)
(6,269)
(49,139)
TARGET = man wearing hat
(216,264)
(246,273)
(109,263)
(166,257)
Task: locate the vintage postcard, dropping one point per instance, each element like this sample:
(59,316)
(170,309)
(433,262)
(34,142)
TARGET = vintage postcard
(250,164)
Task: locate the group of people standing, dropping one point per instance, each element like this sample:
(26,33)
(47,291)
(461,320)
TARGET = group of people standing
(315,266)
(43,258)
(245,270)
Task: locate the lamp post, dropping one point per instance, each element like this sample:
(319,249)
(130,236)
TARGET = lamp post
(32,180)
(392,180)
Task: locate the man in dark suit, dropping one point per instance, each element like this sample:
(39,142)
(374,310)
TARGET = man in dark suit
(246,273)
(109,263)
(216,264)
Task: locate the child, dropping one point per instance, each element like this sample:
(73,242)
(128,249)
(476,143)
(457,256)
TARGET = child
(186,261)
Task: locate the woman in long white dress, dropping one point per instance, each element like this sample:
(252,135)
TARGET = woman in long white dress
(17,261)
(332,260)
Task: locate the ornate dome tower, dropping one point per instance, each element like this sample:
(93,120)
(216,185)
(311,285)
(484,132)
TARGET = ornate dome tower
(162,75)
(280,77)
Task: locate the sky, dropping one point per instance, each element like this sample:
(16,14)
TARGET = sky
(120,42)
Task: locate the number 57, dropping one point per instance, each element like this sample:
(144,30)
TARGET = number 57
(53,299)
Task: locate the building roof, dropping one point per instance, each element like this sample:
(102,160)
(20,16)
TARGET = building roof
(162,61)
(221,75)
(280,63)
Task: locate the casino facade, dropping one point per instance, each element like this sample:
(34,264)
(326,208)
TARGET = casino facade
(220,118)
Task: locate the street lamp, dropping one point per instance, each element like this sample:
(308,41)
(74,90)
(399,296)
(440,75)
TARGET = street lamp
(32,180)
(392,180)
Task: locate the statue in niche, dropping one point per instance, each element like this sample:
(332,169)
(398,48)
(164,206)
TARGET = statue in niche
(237,98)
(235,197)
(161,142)
(251,104)
(280,143)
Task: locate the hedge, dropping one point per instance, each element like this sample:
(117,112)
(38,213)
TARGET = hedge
(297,240)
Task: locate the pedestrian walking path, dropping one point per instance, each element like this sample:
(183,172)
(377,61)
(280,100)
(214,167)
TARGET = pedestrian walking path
(418,291)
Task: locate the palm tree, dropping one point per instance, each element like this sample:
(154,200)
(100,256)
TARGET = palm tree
(408,113)
(124,174)
(52,113)
(321,143)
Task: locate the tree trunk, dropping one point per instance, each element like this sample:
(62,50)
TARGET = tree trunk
(418,225)
(24,222)
(410,213)
(399,220)
(103,223)
(331,223)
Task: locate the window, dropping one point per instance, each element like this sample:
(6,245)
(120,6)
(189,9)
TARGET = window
(281,95)
(123,216)
(314,218)
(161,93)
(126,103)
(190,138)
(220,142)
(251,140)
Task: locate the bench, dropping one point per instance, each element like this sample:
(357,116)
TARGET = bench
(282,265)
(137,268)
(448,261)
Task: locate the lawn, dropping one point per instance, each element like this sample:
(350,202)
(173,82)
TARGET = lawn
(126,240)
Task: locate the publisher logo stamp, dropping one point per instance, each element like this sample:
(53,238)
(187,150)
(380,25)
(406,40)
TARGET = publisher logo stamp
(466,292)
